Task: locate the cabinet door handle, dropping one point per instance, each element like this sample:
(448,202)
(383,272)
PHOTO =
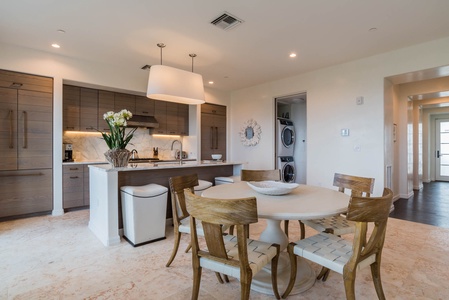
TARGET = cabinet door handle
(25,130)
(216,137)
(11,125)
(21,175)
(74,177)
(73,169)
(212,137)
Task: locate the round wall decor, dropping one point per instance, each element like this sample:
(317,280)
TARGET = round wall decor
(250,133)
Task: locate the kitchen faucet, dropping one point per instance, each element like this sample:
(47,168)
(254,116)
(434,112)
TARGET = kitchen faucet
(180,153)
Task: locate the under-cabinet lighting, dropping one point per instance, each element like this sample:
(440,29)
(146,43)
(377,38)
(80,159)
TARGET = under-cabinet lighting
(83,132)
(166,135)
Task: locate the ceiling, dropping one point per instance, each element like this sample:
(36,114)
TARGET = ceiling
(321,32)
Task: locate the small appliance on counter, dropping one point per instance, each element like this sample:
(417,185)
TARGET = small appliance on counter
(184,154)
(68,152)
(155,152)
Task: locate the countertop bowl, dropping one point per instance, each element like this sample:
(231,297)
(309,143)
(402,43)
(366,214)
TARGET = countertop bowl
(216,156)
(272,187)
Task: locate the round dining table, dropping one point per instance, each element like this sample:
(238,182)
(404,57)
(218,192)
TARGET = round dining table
(303,203)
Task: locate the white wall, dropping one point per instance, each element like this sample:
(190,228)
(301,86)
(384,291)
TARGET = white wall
(331,106)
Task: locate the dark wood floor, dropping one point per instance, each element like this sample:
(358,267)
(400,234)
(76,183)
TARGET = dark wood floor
(430,205)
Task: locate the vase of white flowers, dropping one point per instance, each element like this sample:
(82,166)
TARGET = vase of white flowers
(117,139)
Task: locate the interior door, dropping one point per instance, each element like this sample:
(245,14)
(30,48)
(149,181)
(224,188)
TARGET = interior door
(442,150)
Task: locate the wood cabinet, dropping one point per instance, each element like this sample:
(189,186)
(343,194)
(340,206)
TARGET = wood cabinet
(88,109)
(160,113)
(71,107)
(75,186)
(144,106)
(183,119)
(83,110)
(26,144)
(124,101)
(172,118)
(105,104)
(26,192)
(213,130)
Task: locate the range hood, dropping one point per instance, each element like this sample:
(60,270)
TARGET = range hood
(142,121)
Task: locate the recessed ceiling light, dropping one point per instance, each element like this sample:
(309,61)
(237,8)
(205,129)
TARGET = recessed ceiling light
(292,55)
(211,82)
(372,29)
(55,46)
(60,31)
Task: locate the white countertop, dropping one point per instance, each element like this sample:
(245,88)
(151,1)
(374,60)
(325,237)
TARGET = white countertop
(84,162)
(162,165)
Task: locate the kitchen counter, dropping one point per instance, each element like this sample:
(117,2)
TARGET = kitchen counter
(105,182)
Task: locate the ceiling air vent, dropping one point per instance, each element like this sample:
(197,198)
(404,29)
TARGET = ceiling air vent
(226,21)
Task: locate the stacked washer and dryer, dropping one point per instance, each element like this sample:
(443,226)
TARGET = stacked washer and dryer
(285,144)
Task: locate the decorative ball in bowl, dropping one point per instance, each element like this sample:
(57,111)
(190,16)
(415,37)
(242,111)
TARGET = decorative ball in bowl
(216,156)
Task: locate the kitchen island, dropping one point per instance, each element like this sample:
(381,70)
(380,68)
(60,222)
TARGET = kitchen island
(105,183)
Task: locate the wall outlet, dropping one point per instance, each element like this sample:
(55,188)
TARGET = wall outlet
(345,132)
(357,148)
(359,100)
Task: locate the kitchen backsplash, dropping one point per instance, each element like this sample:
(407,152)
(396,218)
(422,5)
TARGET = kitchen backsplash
(91,146)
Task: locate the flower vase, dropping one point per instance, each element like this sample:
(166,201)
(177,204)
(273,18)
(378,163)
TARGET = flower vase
(118,157)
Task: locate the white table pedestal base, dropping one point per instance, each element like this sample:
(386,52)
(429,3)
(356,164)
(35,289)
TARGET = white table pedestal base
(305,277)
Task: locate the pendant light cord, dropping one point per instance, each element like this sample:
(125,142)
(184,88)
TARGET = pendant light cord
(193,55)
(161,45)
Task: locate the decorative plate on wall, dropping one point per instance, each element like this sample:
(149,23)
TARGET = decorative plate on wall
(250,133)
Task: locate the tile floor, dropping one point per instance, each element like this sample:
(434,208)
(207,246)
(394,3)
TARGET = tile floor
(59,258)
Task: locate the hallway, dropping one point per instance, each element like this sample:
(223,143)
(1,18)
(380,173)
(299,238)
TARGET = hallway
(430,205)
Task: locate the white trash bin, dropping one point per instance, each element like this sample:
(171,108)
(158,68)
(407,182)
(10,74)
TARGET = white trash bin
(202,186)
(144,210)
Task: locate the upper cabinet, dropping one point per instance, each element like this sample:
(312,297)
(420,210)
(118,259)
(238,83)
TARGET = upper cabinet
(105,104)
(71,107)
(125,101)
(144,106)
(88,109)
(84,108)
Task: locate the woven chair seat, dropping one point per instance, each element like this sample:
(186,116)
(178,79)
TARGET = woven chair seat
(330,251)
(259,255)
(337,225)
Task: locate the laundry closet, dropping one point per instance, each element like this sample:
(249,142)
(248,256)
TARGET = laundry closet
(290,137)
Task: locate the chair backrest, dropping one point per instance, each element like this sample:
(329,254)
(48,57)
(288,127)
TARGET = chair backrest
(177,186)
(364,210)
(214,213)
(357,185)
(260,175)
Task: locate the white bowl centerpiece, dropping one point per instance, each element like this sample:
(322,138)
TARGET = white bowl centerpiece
(272,187)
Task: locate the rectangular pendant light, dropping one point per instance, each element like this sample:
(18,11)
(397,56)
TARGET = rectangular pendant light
(175,85)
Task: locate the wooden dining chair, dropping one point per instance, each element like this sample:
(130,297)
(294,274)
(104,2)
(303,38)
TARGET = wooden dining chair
(181,220)
(343,256)
(260,175)
(338,224)
(236,256)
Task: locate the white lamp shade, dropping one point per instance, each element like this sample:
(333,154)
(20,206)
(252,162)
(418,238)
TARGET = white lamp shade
(175,85)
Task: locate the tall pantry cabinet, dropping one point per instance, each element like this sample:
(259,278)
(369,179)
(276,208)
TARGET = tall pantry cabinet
(26,144)
(213,130)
